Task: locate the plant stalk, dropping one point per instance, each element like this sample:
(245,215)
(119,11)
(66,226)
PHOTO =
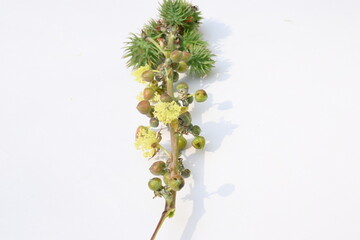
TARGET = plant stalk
(174,155)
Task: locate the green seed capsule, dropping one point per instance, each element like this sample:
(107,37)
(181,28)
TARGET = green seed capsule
(185,119)
(165,97)
(166,178)
(201,95)
(186,173)
(181,142)
(186,56)
(158,168)
(150,114)
(175,77)
(144,107)
(183,67)
(176,56)
(182,88)
(154,122)
(155,184)
(198,142)
(148,93)
(148,76)
(176,183)
(195,130)
(190,99)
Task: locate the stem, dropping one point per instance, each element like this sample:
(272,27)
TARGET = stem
(169,203)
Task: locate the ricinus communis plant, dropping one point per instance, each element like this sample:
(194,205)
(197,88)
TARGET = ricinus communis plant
(165,50)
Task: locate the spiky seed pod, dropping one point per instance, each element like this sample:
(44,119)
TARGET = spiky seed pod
(155,184)
(181,14)
(201,95)
(201,61)
(144,107)
(158,168)
(140,52)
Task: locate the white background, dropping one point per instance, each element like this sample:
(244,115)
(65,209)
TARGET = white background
(282,160)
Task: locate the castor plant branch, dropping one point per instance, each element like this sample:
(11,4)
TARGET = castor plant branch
(160,54)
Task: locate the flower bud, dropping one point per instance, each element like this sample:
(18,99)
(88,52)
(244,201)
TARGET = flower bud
(183,67)
(176,56)
(201,95)
(148,76)
(195,130)
(154,122)
(155,184)
(148,93)
(175,77)
(165,97)
(181,141)
(176,182)
(186,56)
(144,106)
(198,142)
(185,173)
(182,88)
(166,177)
(158,168)
(185,119)
(190,99)
(150,114)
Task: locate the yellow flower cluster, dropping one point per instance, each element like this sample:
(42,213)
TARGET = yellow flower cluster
(166,112)
(138,73)
(147,141)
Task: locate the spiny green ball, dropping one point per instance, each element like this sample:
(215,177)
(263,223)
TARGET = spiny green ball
(158,168)
(155,184)
(201,95)
(198,142)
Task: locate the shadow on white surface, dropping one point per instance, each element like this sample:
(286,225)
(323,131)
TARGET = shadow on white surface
(215,131)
